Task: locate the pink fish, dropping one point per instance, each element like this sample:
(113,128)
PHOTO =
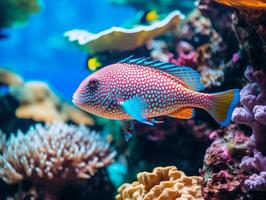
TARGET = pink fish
(142,89)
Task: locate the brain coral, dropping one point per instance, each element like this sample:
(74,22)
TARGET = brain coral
(164,183)
(53,152)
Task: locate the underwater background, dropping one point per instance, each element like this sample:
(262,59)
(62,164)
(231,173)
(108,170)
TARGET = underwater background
(51,149)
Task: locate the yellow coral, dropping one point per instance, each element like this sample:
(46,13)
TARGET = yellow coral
(164,183)
(38,102)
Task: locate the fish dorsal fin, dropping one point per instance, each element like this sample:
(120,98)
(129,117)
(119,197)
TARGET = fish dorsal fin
(184,113)
(188,76)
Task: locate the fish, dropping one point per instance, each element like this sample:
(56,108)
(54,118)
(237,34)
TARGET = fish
(142,89)
(93,63)
(149,16)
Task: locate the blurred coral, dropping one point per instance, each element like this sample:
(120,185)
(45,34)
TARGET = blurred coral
(9,78)
(121,39)
(38,102)
(212,77)
(54,152)
(253,112)
(163,183)
(15,12)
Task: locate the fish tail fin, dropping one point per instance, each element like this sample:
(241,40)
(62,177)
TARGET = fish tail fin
(222,106)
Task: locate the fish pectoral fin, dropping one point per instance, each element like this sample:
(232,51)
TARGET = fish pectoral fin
(135,108)
(183,113)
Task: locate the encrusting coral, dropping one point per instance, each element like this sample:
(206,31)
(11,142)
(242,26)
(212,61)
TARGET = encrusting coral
(253,112)
(121,39)
(164,183)
(57,152)
(223,178)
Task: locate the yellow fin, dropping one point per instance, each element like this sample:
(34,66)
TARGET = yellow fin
(183,113)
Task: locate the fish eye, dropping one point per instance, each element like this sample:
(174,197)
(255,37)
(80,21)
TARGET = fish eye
(93,84)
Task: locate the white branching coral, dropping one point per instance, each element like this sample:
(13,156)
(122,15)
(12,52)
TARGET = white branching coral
(58,151)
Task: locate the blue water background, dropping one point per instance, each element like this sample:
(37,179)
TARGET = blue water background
(38,51)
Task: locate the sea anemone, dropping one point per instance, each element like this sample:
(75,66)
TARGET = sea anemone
(54,152)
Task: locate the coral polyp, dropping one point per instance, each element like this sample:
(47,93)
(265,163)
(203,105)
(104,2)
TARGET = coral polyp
(54,152)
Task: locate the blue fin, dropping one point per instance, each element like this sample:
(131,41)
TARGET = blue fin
(223,104)
(135,108)
(187,75)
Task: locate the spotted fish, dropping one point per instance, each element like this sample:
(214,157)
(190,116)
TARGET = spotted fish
(142,89)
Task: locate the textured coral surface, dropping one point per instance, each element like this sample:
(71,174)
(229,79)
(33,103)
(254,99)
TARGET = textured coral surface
(53,152)
(164,183)
(253,110)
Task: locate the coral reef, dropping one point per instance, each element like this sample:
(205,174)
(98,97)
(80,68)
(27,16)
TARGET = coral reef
(121,39)
(223,177)
(25,103)
(256,166)
(162,183)
(253,112)
(15,12)
(54,151)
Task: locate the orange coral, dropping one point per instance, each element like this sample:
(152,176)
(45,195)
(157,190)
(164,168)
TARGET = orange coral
(253,4)
(164,183)
(39,102)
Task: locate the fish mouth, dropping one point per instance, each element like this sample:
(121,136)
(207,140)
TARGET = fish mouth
(76,100)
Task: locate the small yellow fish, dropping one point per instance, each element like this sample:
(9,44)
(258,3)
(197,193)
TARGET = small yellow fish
(147,17)
(152,16)
(93,63)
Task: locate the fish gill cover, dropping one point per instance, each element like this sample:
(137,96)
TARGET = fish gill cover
(51,149)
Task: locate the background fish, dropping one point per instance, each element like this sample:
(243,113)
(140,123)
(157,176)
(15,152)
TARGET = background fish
(142,89)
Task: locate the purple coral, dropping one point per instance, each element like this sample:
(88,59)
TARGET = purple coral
(257,164)
(253,112)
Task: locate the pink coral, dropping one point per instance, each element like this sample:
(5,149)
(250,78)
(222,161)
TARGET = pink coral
(253,112)
(223,178)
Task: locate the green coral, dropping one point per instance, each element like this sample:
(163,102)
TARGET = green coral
(15,12)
